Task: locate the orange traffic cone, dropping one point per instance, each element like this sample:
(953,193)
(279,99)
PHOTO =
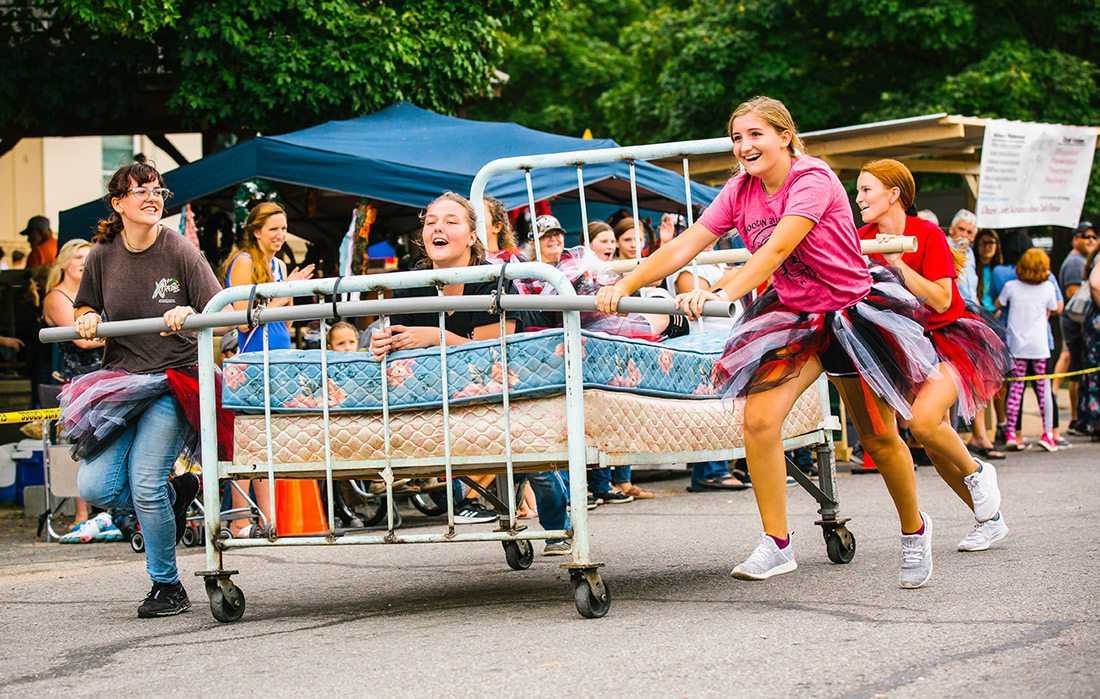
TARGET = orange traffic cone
(298,508)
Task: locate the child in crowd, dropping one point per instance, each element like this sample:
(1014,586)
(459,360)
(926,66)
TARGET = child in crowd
(1029,301)
(343,337)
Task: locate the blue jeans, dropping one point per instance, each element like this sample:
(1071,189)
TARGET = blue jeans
(131,475)
(599,480)
(620,474)
(551,497)
(708,470)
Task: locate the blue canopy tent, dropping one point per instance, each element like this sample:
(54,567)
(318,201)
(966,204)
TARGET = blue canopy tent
(401,155)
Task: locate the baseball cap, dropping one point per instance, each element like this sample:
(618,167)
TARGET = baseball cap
(547,223)
(36,223)
(1083,226)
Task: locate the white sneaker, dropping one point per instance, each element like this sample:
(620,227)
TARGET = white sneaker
(916,556)
(767,560)
(983,534)
(984,492)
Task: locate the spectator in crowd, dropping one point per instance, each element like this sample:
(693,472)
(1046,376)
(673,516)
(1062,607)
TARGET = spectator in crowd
(1070,276)
(73,359)
(1014,243)
(987,255)
(253,261)
(929,215)
(1030,300)
(343,337)
(18,259)
(79,356)
(961,234)
(1088,392)
(42,241)
(3,260)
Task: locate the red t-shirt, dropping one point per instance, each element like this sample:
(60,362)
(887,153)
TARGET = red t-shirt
(932,260)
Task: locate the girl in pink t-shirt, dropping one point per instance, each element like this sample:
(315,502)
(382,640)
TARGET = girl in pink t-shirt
(824,312)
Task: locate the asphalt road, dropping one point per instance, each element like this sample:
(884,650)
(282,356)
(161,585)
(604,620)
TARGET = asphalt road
(453,620)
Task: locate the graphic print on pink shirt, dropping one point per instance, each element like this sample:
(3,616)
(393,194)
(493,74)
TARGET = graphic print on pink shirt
(827,271)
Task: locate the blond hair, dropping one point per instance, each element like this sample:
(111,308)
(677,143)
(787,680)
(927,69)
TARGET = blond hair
(776,115)
(257,217)
(64,256)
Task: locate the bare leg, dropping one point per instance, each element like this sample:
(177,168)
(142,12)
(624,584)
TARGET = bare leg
(261,497)
(931,427)
(764,416)
(885,446)
(81,506)
(980,436)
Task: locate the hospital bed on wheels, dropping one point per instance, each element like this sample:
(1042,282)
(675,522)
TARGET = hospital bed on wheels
(480,426)
(470,432)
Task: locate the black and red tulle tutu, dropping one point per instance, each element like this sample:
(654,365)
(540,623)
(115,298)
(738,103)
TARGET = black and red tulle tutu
(882,334)
(974,348)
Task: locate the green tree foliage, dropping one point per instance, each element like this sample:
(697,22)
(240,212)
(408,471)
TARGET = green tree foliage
(558,69)
(674,69)
(251,65)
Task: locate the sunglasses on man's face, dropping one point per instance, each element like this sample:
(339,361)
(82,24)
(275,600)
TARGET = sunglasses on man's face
(1087,237)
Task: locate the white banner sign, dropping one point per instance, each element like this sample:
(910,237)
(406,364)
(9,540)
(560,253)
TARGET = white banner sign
(1034,174)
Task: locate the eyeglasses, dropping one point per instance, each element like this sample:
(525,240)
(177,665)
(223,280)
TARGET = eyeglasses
(1087,237)
(145,194)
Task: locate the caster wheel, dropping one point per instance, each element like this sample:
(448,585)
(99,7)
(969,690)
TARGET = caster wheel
(137,542)
(191,537)
(432,504)
(520,554)
(590,606)
(226,607)
(840,545)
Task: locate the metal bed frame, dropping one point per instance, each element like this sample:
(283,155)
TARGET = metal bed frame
(592,594)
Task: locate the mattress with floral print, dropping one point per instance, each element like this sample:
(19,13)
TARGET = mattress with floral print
(677,368)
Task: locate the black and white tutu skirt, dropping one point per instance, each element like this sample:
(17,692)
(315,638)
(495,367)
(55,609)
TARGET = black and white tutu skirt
(882,336)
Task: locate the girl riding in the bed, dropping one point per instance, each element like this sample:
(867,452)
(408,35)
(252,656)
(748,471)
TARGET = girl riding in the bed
(450,240)
(972,358)
(824,312)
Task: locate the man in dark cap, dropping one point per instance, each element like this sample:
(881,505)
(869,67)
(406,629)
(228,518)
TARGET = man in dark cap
(42,241)
(1070,276)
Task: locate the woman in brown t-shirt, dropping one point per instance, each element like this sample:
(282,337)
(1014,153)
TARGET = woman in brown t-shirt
(137,268)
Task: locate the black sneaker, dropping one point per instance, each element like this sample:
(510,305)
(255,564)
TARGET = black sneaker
(473,512)
(165,599)
(186,487)
(593,503)
(614,497)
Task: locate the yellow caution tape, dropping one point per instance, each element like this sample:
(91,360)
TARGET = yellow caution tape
(1053,376)
(30,415)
